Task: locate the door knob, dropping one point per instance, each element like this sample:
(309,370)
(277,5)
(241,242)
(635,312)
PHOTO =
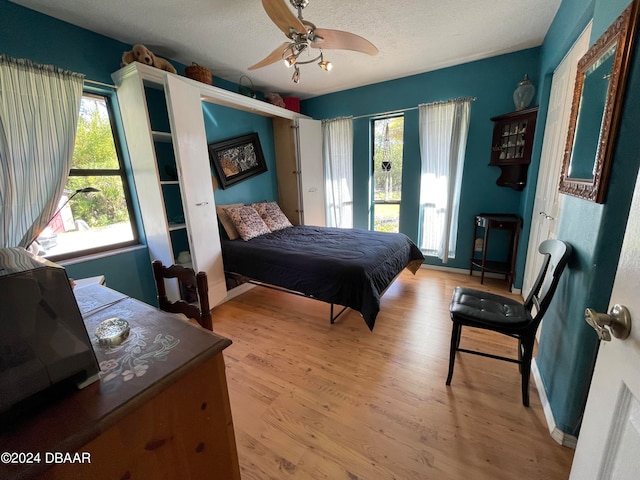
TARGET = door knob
(617,321)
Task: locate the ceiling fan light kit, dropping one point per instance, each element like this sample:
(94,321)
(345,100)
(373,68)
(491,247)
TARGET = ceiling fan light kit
(304,35)
(325,64)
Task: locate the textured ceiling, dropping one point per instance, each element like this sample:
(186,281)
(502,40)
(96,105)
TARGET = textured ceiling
(413,36)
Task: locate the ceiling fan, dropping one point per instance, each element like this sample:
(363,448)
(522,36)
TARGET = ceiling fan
(303,34)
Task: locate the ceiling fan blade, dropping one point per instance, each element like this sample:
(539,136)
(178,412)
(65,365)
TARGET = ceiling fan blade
(282,16)
(339,40)
(273,57)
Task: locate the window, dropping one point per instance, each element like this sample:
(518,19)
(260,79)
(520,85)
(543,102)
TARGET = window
(387,173)
(95,209)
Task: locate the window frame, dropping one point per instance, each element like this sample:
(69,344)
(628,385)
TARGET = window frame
(373,201)
(121,172)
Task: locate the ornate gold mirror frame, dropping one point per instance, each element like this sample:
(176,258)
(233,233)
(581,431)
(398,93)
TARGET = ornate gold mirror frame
(595,112)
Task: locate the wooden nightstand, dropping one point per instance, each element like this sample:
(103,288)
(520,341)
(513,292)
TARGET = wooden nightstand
(489,222)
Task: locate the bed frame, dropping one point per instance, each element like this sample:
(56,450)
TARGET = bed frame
(241,279)
(350,268)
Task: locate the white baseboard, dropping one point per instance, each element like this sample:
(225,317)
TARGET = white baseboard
(465,271)
(239,290)
(558,435)
(445,269)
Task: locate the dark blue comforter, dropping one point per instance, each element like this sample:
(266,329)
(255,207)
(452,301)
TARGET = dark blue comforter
(348,267)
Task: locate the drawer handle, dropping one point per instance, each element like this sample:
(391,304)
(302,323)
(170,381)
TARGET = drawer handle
(202,204)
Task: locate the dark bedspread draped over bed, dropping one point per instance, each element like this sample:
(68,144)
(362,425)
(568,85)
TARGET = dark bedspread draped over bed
(348,267)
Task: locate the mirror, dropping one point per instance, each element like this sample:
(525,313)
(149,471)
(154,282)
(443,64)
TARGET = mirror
(595,112)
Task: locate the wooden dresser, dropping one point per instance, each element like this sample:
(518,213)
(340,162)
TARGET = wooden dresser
(160,409)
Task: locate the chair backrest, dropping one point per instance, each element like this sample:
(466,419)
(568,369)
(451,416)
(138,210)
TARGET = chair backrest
(188,281)
(556,254)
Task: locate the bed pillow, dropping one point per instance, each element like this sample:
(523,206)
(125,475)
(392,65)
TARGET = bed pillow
(247,221)
(226,222)
(272,215)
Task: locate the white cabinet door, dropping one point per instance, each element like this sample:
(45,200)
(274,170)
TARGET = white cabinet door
(309,150)
(194,172)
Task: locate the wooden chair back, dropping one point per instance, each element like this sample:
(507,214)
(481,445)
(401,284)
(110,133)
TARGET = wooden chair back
(188,281)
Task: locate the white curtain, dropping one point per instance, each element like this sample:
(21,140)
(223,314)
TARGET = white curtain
(443,139)
(337,153)
(39,107)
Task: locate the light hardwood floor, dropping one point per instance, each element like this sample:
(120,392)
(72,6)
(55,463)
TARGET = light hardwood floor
(311,400)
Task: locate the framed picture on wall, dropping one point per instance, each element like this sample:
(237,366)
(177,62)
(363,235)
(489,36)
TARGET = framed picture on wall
(237,159)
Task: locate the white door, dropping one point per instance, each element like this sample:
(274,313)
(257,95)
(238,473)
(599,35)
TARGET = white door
(309,151)
(609,441)
(546,208)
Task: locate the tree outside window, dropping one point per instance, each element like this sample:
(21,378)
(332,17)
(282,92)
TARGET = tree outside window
(99,220)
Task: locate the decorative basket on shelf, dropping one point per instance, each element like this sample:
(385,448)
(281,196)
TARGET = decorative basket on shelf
(199,73)
(247,90)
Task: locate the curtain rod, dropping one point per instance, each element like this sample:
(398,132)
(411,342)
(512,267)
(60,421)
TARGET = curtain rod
(101,84)
(402,110)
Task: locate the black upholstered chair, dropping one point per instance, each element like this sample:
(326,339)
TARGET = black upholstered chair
(190,283)
(475,308)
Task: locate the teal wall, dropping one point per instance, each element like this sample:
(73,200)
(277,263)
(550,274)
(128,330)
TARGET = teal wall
(222,123)
(492,82)
(127,272)
(568,346)
(42,39)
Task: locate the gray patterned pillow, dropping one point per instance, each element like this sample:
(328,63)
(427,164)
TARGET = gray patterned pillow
(272,215)
(247,221)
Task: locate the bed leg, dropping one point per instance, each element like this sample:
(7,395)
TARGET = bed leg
(333,317)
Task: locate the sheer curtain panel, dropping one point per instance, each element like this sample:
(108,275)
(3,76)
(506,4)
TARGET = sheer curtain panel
(443,139)
(337,152)
(39,107)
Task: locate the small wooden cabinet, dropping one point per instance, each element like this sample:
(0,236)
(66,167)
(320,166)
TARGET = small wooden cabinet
(505,266)
(512,145)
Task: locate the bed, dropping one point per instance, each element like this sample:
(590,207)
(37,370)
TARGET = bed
(347,267)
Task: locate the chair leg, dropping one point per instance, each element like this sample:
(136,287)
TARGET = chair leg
(520,354)
(206,320)
(527,353)
(455,343)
